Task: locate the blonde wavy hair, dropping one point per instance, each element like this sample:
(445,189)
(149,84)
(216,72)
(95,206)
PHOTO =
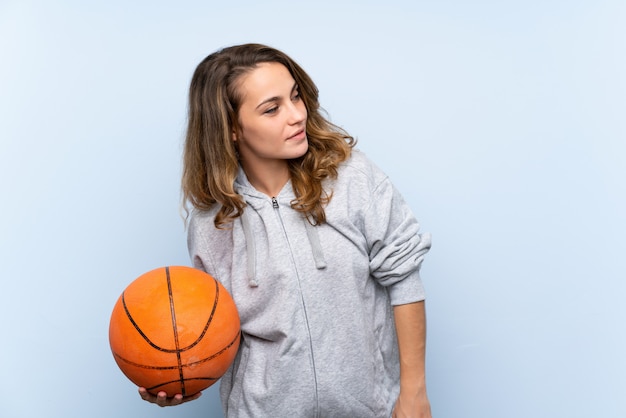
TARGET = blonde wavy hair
(210,162)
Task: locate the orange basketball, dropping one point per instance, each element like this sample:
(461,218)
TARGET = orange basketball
(174,329)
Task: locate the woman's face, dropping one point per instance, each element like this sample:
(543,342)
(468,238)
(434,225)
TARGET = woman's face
(272,117)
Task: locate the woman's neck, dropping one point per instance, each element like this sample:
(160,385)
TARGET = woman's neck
(267,178)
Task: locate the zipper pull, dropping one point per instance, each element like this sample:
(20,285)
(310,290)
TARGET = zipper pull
(274,203)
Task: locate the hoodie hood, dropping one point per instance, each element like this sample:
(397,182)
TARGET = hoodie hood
(258,201)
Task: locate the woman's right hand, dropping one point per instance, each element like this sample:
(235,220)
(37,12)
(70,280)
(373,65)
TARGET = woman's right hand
(162,399)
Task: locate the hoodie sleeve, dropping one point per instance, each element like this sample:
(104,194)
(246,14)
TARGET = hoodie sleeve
(206,244)
(198,250)
(396,248)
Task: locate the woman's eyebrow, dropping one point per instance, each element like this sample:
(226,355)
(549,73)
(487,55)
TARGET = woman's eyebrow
(277,98)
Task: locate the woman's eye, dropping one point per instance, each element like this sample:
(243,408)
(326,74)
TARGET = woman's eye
(271,110)
(296,96)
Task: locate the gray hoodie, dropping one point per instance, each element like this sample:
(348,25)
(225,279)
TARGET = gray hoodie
(316,302)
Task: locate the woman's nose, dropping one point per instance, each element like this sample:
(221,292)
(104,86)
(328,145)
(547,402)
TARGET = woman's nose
(298,113)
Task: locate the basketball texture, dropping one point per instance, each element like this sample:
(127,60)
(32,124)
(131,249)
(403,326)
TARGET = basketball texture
(174,329)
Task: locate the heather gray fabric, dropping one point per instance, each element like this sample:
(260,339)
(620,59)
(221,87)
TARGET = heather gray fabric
(315,302)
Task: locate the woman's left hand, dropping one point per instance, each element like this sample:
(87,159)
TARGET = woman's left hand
(412,406)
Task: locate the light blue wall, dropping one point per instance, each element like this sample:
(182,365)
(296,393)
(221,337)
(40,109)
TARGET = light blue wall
(502,122)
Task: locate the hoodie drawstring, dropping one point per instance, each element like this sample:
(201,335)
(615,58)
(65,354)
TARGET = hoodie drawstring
(316,247)
(311,233)
(250,250)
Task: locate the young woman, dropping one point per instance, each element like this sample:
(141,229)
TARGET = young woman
(319,251)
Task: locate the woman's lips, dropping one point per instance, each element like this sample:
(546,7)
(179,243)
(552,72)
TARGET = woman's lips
(298,135)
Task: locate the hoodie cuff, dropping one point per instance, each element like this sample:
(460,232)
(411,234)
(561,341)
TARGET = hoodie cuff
(408,290)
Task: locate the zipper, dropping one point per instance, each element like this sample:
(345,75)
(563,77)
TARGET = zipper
(306,316)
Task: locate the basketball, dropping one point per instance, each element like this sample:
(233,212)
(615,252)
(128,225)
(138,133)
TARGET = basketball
(174,329)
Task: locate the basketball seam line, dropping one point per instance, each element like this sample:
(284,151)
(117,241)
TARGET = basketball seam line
(175,329)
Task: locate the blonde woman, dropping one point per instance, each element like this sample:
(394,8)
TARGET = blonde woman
(318,249)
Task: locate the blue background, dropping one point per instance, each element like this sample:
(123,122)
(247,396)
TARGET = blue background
(502,123)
